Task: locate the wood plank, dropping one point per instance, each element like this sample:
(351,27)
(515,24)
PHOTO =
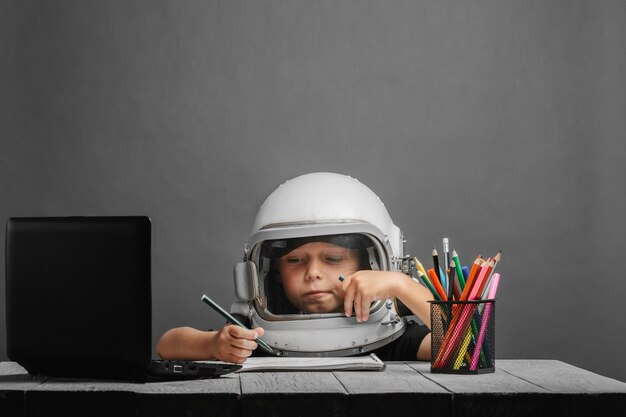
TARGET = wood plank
(576,391)
(498,382)
(491,394)
(80,397)
(557,376)
(205,397)
(394,391)
(292,394)
(520,387)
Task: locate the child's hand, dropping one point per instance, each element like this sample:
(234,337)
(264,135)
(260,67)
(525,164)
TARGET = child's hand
(364,287)
(235,344)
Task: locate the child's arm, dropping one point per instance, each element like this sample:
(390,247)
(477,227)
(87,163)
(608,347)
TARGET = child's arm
(230,344)
(364,287)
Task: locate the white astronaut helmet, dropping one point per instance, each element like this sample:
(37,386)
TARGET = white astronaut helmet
(328,207)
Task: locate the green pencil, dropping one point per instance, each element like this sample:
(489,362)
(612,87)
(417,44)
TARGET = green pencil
(231,319)
(459,271)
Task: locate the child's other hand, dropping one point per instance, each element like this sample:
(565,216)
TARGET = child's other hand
(364,287)
(235,344)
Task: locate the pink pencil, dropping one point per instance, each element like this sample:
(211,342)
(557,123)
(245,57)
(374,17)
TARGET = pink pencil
(483,325)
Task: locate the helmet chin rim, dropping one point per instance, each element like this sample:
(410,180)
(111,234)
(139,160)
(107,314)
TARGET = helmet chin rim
(331,336)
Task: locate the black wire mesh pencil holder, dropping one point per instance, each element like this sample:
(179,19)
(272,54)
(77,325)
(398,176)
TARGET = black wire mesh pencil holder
(463,339)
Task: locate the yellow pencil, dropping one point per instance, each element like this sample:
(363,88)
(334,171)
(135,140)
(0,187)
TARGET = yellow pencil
(463,348)
(419,265)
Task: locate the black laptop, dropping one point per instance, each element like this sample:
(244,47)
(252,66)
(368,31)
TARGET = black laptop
(78,300)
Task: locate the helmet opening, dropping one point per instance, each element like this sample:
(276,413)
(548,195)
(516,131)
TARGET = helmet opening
(273,299)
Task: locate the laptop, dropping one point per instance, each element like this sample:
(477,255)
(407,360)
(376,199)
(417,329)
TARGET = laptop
(78,300)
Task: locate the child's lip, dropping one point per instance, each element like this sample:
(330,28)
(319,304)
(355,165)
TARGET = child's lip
(315,293)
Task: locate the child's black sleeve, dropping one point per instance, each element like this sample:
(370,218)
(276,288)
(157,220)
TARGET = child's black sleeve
(405,347)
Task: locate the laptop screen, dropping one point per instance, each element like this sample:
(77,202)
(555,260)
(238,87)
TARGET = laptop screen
(78,295)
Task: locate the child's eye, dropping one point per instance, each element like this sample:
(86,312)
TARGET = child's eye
(294,260)
(334,259)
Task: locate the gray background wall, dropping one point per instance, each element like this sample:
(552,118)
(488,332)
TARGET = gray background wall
(499,124)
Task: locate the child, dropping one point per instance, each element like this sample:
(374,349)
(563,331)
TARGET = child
(337,266)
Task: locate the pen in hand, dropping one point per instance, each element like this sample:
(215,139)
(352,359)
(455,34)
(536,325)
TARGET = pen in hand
(231,319)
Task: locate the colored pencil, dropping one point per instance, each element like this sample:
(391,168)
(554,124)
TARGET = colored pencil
(429,285)
(456,290)
(465,270)
(436,266)
(478,284)
(483,325)
(459,270)
(497,258)
(444,279)
(455,331)
(463,349)
(450,275)
(419,265)
(472,277)
(495,261)
(437,284)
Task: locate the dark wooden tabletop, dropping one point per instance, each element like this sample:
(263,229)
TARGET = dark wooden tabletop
(516,388)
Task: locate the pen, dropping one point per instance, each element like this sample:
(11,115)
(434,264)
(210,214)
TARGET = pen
(231,319)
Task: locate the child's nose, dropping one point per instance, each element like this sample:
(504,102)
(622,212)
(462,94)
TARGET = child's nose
(314,269)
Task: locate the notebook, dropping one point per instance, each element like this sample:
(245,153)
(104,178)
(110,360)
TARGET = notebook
(369,362)
(79,302)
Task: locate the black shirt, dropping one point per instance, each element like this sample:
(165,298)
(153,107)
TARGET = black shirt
(405,347)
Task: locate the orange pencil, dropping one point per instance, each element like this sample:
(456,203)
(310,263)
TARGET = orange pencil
(472,277)
(480,281)
(435,280)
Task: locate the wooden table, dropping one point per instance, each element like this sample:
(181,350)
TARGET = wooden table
(516,388)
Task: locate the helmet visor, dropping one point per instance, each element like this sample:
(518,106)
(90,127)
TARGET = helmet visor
(301,275)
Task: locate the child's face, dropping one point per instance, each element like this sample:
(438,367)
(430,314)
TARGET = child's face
(310,275)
